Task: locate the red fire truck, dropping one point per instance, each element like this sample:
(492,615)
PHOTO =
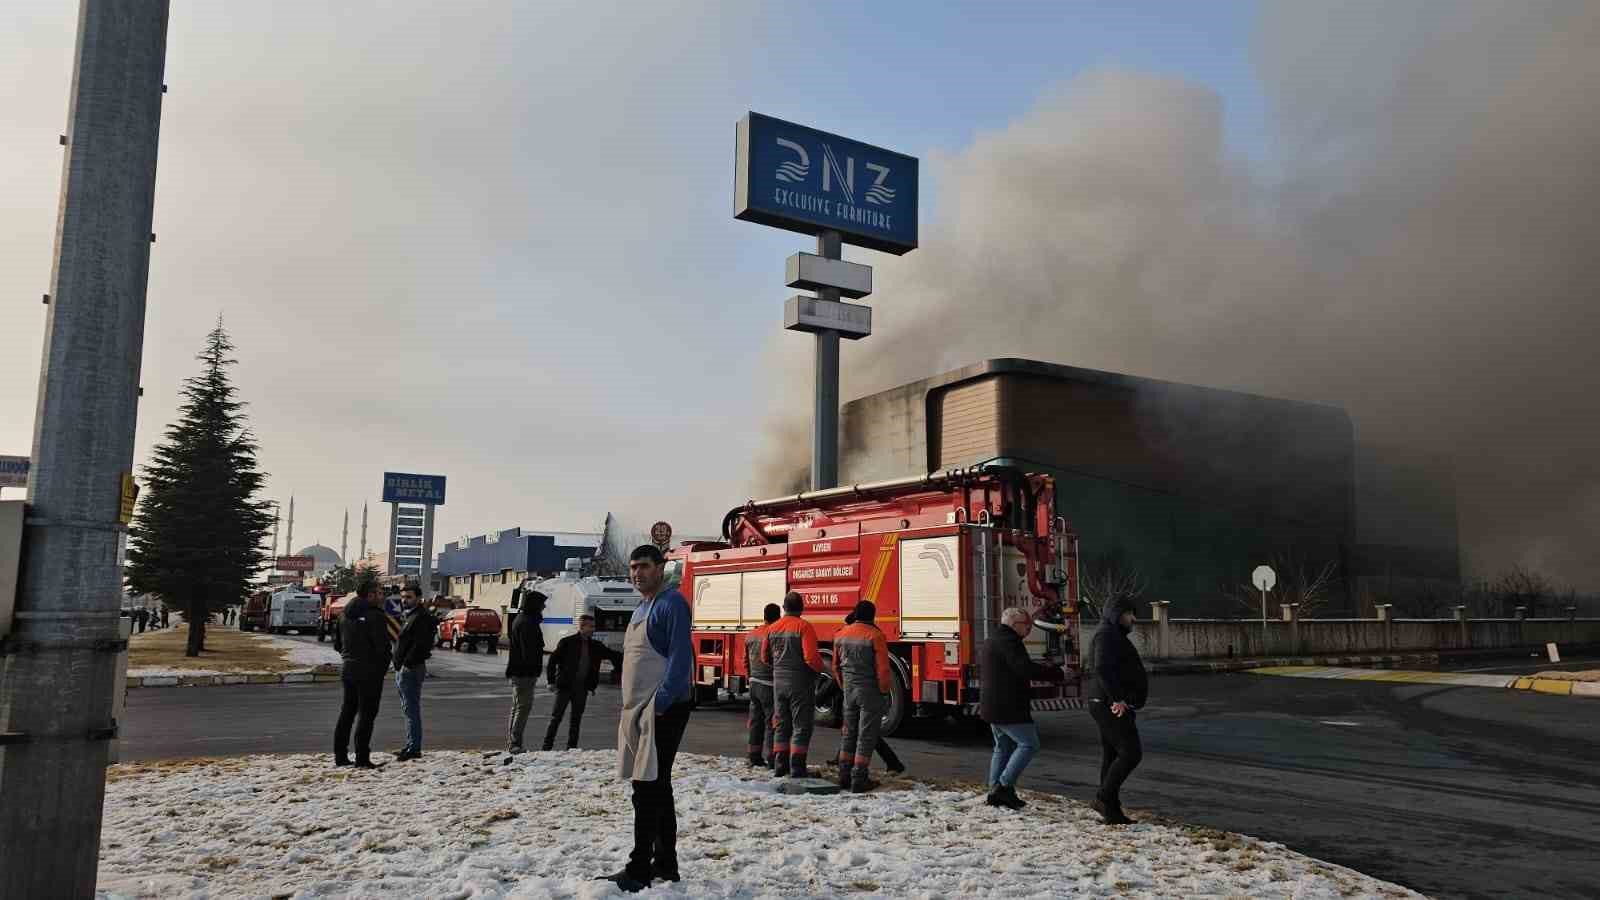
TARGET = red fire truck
(941,556)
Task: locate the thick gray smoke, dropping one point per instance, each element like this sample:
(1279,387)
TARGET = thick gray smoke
(1421,249)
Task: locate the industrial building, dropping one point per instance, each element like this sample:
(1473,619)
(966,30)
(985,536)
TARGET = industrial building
(483,570)
(1188,487)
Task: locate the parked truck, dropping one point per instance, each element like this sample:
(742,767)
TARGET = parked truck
(253,615)
(941,556)
(294,610)
(469,628)
(570,595)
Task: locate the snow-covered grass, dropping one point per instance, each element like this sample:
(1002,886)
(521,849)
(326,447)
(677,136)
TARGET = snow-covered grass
(228,651)
(456,825)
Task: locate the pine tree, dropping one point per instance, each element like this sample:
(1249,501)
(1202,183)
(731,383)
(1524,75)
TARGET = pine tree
(196,538)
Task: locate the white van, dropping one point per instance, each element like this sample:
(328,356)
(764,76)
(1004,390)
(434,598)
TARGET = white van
(294,610)
(610,600)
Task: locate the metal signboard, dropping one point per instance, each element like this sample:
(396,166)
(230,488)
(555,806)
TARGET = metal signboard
(851,320)
(294,564)
(811,272)
(14,471)
(402,487)
(130,496)
(801,179)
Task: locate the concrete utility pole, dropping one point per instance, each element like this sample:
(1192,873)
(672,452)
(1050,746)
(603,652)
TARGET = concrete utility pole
(57,672)
(825,413)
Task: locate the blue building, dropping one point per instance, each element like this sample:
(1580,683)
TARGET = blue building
(484,569)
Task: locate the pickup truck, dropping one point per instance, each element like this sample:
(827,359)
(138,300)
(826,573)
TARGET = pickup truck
(468,628)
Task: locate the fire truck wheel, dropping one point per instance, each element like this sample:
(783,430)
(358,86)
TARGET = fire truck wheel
(830,700)
(894,715)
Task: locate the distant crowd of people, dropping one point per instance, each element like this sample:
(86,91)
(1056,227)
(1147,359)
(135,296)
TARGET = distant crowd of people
(656,667)
(144,618)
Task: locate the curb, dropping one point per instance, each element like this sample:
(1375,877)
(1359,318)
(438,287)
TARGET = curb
(305,677)
(1558,688)
(1240,665)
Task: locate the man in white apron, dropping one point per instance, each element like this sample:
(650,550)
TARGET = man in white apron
(657,662)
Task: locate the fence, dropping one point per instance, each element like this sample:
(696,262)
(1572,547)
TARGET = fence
(1163,637)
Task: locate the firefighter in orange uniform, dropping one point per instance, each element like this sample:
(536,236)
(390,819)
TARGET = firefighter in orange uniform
(790,648)
(861,668)
(760,721)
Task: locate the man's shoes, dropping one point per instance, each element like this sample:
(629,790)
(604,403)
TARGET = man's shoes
(844,776)
(1098,805)
(514,749)
(994,796)
(756,761)
(1008,798)
(341,759)
(660,873)
(405,754)
(780,765)
(366,764)
(1115,816)
(626,882)
(797,766)
(548,746)
(860,783)
(895,770)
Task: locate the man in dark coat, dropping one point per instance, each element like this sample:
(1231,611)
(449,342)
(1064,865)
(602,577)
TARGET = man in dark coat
(1005,702)
(1119,687)
(364,642)
(573,673)
(411,651)
(523,663)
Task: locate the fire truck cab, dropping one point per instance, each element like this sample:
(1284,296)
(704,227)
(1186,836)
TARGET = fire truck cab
(941,556)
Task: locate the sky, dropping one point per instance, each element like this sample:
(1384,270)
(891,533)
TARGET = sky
(494,241)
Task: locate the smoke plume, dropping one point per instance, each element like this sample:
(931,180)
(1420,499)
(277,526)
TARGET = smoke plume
(1419,247)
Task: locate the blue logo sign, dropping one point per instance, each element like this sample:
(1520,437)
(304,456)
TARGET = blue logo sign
(399,487)
(810,181)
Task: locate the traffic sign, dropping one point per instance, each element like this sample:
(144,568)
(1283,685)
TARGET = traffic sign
(1264,578)
(661,534)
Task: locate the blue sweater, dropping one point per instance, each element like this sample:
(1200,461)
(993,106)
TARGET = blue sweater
(667,630)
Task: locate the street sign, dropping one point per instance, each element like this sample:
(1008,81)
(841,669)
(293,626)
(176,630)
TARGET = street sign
(1264,578)
(14,471)
(402,487)
(801,179)
(130,496)
(811,272)
(852,321)
(294,564)
(661,534)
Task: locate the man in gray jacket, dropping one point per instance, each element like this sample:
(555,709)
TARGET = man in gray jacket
(761,712)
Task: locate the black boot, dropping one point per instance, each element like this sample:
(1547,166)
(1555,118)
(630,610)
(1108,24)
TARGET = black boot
(860,783)
(1009,799)
(780,764)
(844,776)
(994,796)
(341,758)
(756,761)
(364,761)
(797,766)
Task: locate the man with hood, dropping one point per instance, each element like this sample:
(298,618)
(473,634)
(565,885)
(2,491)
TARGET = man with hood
(364,645)
(1005,701)
(1118,688)
(524,664)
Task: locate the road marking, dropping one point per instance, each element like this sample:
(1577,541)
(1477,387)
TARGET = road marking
(1337,722)
(1455,679)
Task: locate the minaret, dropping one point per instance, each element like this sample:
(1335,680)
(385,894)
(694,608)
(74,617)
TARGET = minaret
(344,539)
(288,538)
(363,529)
(277,514)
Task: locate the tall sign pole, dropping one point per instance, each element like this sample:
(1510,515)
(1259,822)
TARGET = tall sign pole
(57,674)
(843,191)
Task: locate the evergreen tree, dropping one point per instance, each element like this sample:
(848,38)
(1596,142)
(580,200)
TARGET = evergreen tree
(196,538)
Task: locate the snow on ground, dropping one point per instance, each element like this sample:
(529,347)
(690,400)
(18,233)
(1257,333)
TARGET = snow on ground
(454,825)
(305,655)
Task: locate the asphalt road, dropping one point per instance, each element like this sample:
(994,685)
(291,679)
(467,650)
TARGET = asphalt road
(1456,792)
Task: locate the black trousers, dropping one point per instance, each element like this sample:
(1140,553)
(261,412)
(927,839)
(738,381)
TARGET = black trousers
(890,759)
(655,820)
(1120,751)
(360,707)
(576,700)
(760,720)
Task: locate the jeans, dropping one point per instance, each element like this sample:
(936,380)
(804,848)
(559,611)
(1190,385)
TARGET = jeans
(1014,747)
(409,682)
(1120,752)
(360,706)
(577,699)
(655,819)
